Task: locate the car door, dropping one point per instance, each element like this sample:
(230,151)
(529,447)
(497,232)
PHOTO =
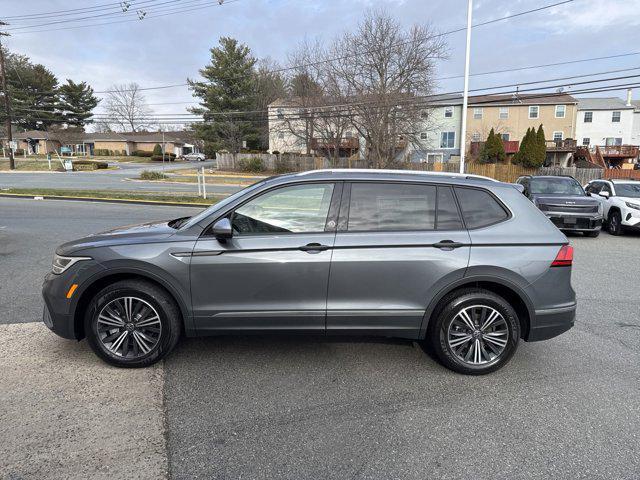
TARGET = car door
(392,253)
(272,274)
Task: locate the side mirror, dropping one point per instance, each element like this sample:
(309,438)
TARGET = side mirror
(604,194)
(222,229)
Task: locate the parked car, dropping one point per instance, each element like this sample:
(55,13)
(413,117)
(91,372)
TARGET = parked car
(564,202)
(195,157)
(620,201)
(467,265)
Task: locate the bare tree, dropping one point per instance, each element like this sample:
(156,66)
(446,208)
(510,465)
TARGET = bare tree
(388,82)
(270,85)
(127,108)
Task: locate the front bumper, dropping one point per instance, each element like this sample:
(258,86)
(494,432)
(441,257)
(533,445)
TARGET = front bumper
(631,219)
(58,313)
(575,223)
(551,322)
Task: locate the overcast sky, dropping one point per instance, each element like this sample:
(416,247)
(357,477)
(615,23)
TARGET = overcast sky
(170,48)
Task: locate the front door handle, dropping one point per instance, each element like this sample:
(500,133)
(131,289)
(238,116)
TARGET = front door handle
(448,245)
(313,247)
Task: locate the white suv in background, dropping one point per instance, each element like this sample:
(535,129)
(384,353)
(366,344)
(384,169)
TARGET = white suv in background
(620,201)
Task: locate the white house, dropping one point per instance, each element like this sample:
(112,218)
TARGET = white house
(605,121)
(635,131)
(440,132)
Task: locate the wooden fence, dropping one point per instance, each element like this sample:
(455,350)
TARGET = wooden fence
(504,173)
(624,173)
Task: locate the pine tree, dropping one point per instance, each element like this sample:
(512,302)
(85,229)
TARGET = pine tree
(75,103)
(229,86)
(542,146)
(157,150)
(493,149)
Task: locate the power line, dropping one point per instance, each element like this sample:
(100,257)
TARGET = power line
(104,6)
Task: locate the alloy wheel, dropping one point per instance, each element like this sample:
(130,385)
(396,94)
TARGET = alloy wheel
(129,327)
(478,335)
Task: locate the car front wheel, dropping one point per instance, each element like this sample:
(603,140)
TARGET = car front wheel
(132,323)
(614,224)
(475,332)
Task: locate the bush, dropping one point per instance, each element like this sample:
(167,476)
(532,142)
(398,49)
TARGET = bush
(157,150)
(18,151)
(168,157)
(493,149)
(275,152)
(102,152)
(142,153)
(148,175)
(251,165)
(89,165)
(281,167)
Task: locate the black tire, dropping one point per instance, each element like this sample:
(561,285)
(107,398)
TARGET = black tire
(170,322)
(593,234)
(449,308)
(614,223)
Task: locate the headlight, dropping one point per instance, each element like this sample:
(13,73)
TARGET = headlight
(600,208)
(60,264)
(635,206)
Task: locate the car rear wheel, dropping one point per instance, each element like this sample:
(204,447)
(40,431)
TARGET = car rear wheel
(614,224)
(132,323)
(475,332)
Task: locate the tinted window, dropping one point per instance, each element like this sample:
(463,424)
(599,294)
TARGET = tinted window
(448,215)
(631,190)
(295,209)
(594,187)
(479,207)
(556,186)
(391,206)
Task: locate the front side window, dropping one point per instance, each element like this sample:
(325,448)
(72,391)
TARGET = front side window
(391,207)
(534,111)
(294,209)
(448,112)
(479,207)
(477,113)
(560,111)
(615,117)
(593,187)
(504,113)
(588,117)
(448,140)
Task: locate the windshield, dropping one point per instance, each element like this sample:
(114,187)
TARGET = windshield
(556,186)
(221,204)
(631,190)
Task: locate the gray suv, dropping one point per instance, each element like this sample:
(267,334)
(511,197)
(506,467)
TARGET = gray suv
(466,265)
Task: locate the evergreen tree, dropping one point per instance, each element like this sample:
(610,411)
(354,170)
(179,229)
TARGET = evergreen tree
(493,149)
(542,146)
(33,91)
(229,86)
(75,103)
(157,150)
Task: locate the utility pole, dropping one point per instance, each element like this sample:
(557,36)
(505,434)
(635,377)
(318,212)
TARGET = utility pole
(465,95)
(7,102)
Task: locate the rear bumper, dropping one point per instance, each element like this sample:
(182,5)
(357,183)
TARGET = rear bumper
(551,322)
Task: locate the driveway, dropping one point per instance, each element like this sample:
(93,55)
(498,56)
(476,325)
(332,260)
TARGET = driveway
(308,408)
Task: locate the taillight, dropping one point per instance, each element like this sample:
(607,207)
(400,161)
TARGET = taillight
(564,258)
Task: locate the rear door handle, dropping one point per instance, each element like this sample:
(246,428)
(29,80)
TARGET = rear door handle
(448,245)
(313,247)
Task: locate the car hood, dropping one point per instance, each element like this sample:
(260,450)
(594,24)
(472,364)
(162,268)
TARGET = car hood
(131,234)
(635,200)
(569,200)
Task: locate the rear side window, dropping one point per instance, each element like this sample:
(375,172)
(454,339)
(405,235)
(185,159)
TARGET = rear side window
(391,207)
(448,215)
(479,207)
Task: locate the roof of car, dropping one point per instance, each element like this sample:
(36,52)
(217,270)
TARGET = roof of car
(397,175)
(548,176)
(622,180)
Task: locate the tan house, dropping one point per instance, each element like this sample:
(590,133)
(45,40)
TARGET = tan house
(111,143)
(512,115)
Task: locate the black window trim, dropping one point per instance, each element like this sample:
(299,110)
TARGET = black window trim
(506,209)
(343,220)
(335,198)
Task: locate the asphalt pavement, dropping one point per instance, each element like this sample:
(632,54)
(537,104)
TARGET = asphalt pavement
(118,179)
(308,408)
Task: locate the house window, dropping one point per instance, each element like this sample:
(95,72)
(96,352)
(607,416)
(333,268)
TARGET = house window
(504,113)
(281,135)
(475,137)
(477,113)
(434,157)
(423,136)
(505,137)
(447,139)
(588,117)
(558,136)
(560,111)
(534,111)
(348,134)
(586,141)
(615,117)
(280,113)
(424,114)
(613,141)
(448,112)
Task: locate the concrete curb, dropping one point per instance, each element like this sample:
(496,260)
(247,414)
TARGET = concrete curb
(102,200)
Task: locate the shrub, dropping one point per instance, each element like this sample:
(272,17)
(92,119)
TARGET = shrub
(251,165)
(142,153)
(493,149)
(168,157)
(18,151)
(275,152)
(89,165)
(157,150)
(281,167)
(149,175)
